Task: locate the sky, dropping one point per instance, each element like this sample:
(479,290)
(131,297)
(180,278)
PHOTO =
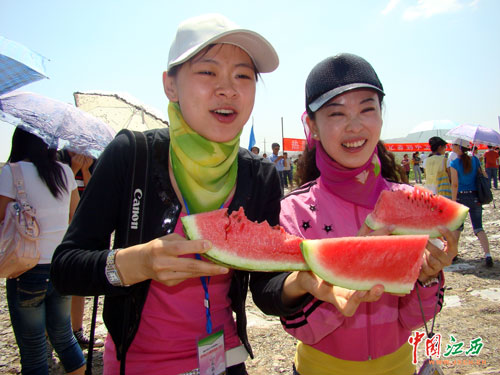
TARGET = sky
(437,59)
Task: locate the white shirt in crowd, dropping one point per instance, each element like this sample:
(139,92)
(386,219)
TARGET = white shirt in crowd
(52,214)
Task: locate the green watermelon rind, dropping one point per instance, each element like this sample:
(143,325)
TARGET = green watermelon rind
(221,257)
(431,232)
(308,248)
(224,258)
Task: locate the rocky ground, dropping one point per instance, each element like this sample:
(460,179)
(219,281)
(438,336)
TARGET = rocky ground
(471,313)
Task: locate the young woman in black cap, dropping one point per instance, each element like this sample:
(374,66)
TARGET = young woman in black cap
(345,168)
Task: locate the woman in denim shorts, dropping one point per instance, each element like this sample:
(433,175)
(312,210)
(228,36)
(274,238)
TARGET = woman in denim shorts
(463,171)
(35,307)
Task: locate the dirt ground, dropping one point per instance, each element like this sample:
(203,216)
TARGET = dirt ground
(471,313)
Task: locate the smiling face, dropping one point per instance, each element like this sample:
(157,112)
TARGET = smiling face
(215,91)
(349,127)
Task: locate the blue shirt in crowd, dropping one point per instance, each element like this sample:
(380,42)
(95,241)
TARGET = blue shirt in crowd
(279,165)
(466,182)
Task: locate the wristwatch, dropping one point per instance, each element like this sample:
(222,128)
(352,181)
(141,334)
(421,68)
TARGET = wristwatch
(111,271)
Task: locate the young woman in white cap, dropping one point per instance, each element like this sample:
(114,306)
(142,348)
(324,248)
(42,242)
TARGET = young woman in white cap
(343,170)
(159,304)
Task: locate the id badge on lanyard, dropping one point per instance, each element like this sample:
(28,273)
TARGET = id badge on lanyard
(211,352)
(210,347)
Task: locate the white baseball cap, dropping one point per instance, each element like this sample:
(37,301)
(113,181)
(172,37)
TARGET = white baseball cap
(461,142)
(196,33)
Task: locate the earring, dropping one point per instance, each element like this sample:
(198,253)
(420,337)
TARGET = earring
(315,135)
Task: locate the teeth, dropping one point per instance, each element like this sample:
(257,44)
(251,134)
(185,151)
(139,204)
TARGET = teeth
(224,111)
(354,144)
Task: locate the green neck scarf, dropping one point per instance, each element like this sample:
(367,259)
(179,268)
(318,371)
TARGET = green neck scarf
(205,171)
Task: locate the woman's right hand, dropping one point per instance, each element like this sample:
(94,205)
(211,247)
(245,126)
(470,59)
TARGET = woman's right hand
(297,284)
(160,260)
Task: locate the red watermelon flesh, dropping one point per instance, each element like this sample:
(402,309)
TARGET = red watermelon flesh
(359,263)
(243,244)
(415,210)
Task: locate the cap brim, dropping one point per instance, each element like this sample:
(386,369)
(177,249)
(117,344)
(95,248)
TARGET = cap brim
(258,48)
(321,100)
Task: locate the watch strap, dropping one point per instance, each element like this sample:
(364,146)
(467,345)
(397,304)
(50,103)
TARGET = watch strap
(111,271)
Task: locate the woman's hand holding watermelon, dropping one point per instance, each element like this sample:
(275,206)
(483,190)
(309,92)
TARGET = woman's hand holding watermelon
(438,257)
(345,300)
(160,260)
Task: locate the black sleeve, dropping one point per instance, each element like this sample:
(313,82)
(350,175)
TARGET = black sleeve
(78,263)
(266,287)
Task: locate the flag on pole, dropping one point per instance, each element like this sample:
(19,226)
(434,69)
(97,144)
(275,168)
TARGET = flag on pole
(252,139)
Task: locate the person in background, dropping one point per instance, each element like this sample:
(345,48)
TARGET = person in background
(491,165)
(416,167)
(405,163)
(287,171)
(497,149)
(475,151)
(423,157)
(255,150)
(463,171)
(455,147)
(278,163)
(436,172)
(159,305)
(82,167)
(35,306)
(344,169)
(264,155)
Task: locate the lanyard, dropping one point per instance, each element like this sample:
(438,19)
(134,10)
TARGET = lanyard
(205,280)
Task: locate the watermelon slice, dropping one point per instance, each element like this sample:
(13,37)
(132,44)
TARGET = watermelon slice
(359,263)
(243,244)
(415,210)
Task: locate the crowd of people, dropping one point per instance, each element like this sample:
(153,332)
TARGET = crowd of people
(284,165)
(163,302)
(453,175)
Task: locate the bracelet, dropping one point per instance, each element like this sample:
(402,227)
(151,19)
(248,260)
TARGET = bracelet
(430,282)
(111,272)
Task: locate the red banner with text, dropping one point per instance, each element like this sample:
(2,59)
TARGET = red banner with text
(420,147)
(294,144)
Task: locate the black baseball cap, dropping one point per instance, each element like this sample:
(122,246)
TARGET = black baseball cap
(336,75)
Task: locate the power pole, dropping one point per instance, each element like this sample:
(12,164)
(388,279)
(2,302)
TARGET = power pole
(282,137)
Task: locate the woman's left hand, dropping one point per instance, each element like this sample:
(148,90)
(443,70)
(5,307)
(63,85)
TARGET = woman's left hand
(436,258)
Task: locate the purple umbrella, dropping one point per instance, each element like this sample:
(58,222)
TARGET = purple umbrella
(476,134)
(60,125)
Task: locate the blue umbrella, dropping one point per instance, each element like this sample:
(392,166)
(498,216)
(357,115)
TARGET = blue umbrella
(60,125)
(19,65)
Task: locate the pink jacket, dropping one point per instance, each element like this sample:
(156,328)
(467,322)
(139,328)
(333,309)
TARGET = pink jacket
(377,328)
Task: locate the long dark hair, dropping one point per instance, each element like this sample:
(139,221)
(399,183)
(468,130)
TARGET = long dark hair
(307,170)
(27,146)
(466,160)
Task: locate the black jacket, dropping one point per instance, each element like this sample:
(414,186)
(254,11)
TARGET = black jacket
(79,261)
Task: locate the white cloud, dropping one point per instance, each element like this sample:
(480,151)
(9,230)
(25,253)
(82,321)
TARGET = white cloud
(390,6)
(473,3)
(429,8)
